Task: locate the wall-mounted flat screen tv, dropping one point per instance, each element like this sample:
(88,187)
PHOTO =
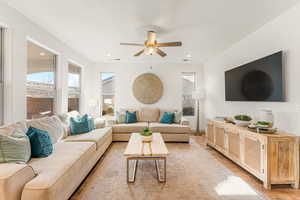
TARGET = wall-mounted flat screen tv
(260,80)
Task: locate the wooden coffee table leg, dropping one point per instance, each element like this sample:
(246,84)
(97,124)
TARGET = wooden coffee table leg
(132,180)
(164,179)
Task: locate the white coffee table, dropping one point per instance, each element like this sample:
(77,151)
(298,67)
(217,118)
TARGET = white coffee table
(138,150)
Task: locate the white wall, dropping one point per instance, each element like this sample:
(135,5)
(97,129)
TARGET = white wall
(18,29)
(283,33)
(170,74)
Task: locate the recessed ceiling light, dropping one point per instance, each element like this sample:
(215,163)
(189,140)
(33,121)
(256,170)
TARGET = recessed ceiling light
(108,55)
(188,55)
(42,54)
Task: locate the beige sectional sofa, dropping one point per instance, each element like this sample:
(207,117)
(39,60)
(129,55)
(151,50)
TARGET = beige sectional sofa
(149,118)
(55,177)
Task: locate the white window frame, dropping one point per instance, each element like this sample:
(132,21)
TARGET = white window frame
(101,92)
(2,31)
(194,89)
(80,84)
(56,74)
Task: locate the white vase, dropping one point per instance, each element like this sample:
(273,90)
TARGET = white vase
(266,115)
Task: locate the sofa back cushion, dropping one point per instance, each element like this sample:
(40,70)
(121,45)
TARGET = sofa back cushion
(52,125)
(148,114)
(163,111)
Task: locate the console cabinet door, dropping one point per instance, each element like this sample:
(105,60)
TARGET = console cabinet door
(282,160)
(234,144)
(220,138)
(210,133)
(253,154)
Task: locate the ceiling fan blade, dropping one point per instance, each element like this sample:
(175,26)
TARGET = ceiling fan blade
(160,52)
(169,44)
(132,44)
(139,53)
(151,38)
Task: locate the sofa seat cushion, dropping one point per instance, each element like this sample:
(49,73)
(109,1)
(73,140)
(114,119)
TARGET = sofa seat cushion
(13,177)
(169,128)
(129,128)
(56,172)
(97,136)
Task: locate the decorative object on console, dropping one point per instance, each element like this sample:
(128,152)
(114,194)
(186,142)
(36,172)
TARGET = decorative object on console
(147,88)
(242,120)
(266,115)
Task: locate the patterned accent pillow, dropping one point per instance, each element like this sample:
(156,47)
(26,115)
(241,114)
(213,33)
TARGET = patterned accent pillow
(40,141)
(79,125)
(130,117)
(15,148)
(168,118)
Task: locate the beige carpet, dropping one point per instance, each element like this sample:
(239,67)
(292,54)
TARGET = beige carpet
(192,173)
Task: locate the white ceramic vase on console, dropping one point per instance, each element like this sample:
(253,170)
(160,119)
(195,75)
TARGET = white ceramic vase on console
(266,115)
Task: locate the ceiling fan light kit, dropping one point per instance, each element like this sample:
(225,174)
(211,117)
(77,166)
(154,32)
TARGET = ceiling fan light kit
(151,45)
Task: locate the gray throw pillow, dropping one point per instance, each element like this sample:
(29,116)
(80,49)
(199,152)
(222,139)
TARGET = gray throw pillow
(120,117)
(177,118)
(15,148)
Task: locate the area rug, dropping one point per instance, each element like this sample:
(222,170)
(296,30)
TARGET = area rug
(192,174)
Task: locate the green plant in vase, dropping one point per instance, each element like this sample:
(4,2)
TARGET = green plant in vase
(146,135)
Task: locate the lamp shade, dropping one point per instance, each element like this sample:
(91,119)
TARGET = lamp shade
(199,94)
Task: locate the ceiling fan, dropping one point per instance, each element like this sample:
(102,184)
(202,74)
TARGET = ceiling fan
(151,46)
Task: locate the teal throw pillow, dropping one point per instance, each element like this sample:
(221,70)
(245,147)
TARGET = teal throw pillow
(15,148)
(79,125)
(40,141)
(130,117)
(91,123)
(168,118)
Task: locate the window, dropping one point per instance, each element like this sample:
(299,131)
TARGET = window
(188,87)
(108,93)
(41,83)
(1,75)
(74,87)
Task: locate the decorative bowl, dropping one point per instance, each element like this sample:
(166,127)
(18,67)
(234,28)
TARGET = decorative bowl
(242,123)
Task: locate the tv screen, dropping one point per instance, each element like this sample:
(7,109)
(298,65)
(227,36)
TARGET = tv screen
(260,80)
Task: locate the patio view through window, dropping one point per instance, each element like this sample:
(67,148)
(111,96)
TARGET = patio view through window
(188,87)
(1,76)
(108,93)
(41,83)
(74,87)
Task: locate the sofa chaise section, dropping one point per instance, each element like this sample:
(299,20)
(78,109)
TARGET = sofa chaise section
(13,177)
(60,173)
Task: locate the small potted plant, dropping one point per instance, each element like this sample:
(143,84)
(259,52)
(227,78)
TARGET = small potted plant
(146,135)
(242,120)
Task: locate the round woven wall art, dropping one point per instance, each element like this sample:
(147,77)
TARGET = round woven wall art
(147,88)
